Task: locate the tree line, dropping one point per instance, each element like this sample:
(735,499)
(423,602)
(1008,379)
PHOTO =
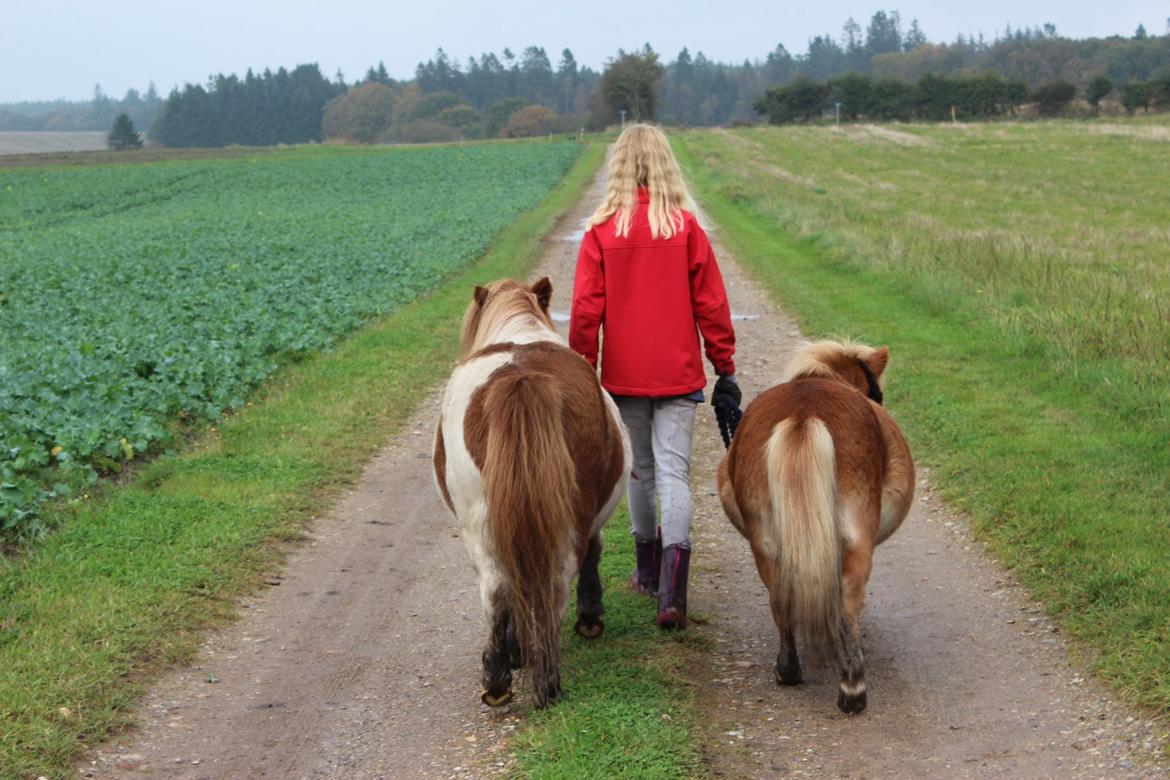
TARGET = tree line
(449,99)
(281,107)
(95,114)
(933,98)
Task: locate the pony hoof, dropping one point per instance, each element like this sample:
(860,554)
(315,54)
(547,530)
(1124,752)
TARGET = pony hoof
(494,700)
(589,627)
(783,677)
(851,704)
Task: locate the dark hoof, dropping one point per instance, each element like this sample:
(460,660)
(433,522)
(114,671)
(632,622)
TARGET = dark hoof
(671,619)
(497,700)
(589,627)
(851,704)
(787,676)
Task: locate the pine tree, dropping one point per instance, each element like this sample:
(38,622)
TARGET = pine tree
(123,135)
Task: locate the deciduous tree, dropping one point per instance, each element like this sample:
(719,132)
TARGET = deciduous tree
(630,84)
(361,114)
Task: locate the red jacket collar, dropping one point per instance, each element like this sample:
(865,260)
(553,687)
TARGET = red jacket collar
(643,195)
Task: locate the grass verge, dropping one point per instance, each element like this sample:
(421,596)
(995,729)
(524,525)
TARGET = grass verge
(1067,491)
(132,577)
(626,711)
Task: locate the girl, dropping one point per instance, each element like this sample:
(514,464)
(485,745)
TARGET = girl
(647,276)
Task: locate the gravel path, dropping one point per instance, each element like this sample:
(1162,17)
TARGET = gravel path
(362,658)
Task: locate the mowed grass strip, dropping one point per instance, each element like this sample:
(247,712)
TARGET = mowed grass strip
(627,710)
(129,581)
(1058,474)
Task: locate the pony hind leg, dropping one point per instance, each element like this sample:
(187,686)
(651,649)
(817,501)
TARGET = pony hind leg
(501,654)
(590,611)
(855,567)
(787,670)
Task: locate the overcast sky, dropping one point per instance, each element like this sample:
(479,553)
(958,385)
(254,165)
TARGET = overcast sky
(51,49)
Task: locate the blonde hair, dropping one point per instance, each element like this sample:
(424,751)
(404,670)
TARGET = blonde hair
(642,158)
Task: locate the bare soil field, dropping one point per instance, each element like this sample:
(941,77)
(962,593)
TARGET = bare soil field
(43,142)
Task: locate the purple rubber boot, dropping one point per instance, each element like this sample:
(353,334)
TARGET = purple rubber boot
(672,590)
(648,555)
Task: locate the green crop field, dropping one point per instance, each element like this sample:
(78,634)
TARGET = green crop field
(134,296)
(1020,275)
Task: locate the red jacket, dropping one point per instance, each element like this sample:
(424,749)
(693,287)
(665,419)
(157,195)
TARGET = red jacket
(649,294)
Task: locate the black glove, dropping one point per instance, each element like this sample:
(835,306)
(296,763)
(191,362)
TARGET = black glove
(725,398)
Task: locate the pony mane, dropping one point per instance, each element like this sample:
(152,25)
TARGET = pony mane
(501,310)
(841,361)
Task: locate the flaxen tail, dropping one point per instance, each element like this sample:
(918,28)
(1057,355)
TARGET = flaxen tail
(530,484)
(802,531)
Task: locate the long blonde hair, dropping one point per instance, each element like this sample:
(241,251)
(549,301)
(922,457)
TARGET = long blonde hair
(642,158)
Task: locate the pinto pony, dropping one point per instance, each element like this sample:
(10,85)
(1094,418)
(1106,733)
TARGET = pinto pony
(817,475)
(532,458)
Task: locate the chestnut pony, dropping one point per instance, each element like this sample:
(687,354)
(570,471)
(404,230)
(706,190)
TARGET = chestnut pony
(817,475)
(532,457)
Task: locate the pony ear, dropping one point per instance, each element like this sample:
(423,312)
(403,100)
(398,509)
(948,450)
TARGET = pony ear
(481,295)
(543,292)
(878,360)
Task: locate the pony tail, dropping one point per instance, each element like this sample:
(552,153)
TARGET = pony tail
(802,530)
(530,484)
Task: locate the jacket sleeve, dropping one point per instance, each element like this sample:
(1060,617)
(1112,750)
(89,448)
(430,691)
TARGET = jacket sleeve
(588,308)
(709,302)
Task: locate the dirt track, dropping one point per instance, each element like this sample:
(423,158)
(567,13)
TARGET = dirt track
(363,661)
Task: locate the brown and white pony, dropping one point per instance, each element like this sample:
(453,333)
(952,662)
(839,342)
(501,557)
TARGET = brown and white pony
(532,457)
(817,475)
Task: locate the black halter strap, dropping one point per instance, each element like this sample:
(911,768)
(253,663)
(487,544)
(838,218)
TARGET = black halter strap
(875,390)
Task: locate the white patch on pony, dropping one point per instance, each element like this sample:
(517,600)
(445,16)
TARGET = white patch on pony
(464,481)
(526,330)
(848,522)
(856,689)
(619,488)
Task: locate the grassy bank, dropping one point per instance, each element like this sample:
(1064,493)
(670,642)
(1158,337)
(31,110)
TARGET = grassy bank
(1047,427)
(127,582)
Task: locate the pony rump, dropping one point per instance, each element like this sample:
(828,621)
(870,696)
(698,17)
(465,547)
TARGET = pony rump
(642,158)
(530,484)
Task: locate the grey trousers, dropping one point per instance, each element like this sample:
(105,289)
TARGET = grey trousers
(660,437)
